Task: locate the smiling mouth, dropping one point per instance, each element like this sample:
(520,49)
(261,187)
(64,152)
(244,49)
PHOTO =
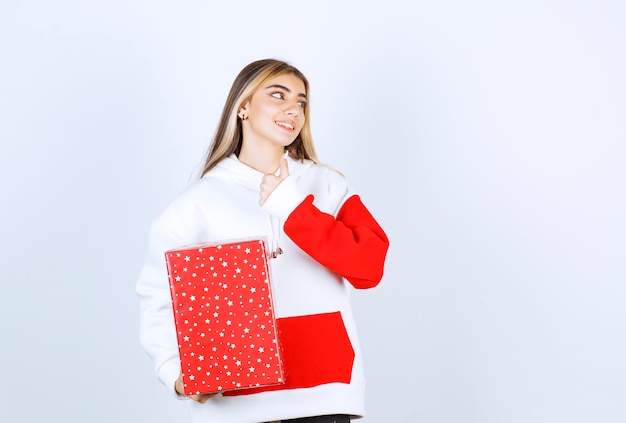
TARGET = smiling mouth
(285,125)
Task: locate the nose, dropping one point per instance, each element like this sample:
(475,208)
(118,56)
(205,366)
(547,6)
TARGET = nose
(292,109)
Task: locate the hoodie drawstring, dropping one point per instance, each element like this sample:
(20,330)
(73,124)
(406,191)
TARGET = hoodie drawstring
(275,249)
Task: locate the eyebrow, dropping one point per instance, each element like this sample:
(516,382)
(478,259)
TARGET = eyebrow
(282,87)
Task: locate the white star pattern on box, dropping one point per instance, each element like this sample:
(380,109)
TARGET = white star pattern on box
(243,288)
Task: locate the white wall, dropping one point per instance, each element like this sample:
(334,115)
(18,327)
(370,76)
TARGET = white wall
(487,137)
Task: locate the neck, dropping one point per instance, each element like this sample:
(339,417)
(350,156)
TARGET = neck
(265,160)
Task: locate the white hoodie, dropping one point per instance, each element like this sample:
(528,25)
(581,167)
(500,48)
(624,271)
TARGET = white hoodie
(327,237)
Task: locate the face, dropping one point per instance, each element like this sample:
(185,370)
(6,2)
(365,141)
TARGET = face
(275,113)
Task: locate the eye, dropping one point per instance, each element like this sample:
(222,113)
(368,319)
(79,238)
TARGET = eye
(278,95)
(302,104)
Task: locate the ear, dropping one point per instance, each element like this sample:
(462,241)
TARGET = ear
(243,109)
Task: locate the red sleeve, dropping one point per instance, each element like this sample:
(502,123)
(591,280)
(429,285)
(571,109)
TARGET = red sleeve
(352,245)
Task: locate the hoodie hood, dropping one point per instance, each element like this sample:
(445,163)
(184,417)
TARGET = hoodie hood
(231,169)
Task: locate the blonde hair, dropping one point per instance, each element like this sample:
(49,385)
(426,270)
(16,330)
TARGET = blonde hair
(228,136)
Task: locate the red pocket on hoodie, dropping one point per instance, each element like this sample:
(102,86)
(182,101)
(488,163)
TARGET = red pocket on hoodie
(316,350)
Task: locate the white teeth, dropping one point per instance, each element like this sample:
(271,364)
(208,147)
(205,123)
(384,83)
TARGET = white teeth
(286,125)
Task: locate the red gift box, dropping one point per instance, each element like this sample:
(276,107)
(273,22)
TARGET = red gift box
(224,316)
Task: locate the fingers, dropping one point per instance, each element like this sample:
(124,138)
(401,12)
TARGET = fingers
(202,398)
(268,184)
(180,390)
(284,167)
(178,385)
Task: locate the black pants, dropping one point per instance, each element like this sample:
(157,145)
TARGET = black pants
(335,418)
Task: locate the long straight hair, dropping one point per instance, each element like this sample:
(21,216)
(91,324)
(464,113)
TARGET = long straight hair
(229,135)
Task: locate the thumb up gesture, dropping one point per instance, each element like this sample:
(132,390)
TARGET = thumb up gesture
(270,181)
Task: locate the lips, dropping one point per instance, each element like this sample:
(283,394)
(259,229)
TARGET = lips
(286,124)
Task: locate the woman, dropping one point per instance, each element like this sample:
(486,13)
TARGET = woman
(262,178)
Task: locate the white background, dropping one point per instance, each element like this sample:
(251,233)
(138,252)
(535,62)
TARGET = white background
(487,137)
